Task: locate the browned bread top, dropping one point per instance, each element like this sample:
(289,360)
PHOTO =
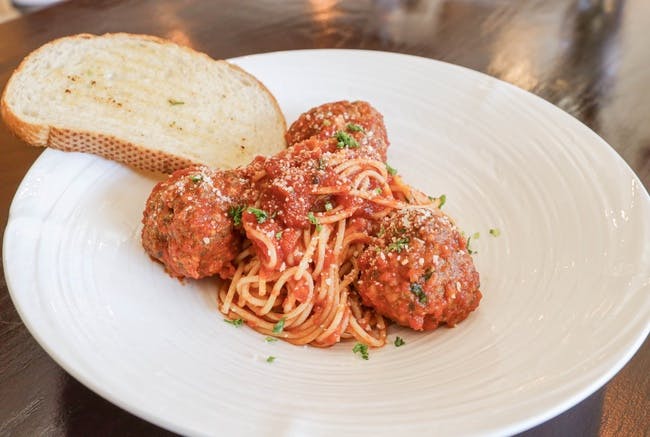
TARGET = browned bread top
(143,101)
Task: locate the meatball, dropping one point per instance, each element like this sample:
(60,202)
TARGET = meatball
(187,225)
(418,272)
(346,124)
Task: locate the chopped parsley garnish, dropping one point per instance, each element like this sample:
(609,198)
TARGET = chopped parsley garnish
(328,206)
(237,322)
(196,177)
(441,200)
(314,221)
(322,163)
(391,171)
(398,245)
(361,349)
(345,140)
(469,250)
(175,102)
(278,327)
(278,235)
(326,122)
(427,275)
(270,359)
(381,232)
(270,339)
(354,128)
(495,232)
(399,341)
(476,235)
(378,191)
(235,212)
(416,289)
(259,214)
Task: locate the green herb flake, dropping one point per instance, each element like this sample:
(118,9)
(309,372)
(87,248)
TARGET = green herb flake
(322,164)
(196,177)
(469,249)
(314,221)
(354,128)
(279,326)
(421,296)
(361,349)
(345,140)
(326,122)
(270,359)
(391,170)
(399,341)
(427,275)
(278,235)
(442,199)
(259,214)
(378,191)
(235,212)
(175,102)
(382,231)
(495,232)
(236,323)
(476,235)
(398,245)
(328,206)
(270,339)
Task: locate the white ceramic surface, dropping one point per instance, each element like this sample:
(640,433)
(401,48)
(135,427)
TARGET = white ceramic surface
(566,284)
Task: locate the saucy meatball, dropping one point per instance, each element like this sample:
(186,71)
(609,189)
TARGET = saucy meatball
(187,225)
(418,272)
(356,125)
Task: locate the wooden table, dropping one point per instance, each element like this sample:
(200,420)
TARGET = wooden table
(589,57)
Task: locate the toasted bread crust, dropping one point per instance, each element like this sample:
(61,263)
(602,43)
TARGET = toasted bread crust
(107,146)
(115,149)
(96,142)
(33,134)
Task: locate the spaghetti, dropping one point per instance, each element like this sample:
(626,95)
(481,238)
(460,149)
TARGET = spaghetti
(301,220)
(310,288)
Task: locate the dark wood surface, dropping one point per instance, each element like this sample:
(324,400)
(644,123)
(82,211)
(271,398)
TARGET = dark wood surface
(589,57)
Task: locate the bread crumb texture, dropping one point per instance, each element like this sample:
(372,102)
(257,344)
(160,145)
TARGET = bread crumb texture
(143,101)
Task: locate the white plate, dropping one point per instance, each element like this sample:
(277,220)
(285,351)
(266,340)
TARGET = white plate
(566,285)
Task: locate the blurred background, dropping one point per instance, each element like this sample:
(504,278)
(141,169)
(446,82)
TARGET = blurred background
(7,11)
(10,9)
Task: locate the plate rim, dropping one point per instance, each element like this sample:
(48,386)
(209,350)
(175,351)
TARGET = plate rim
(159,420)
